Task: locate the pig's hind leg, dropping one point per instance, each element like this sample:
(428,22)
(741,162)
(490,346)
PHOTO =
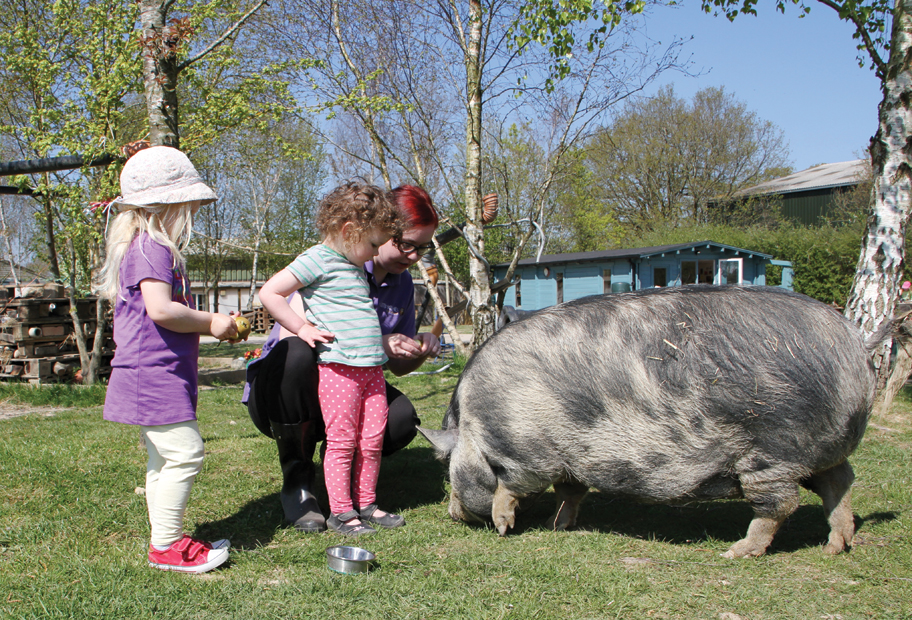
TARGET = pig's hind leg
(773,500)
(569,494)
(834,486)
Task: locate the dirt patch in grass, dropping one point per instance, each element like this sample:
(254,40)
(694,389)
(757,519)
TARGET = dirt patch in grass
(215,362)
(9,410)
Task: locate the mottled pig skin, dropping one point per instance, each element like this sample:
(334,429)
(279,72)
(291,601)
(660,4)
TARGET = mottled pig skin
(664,395)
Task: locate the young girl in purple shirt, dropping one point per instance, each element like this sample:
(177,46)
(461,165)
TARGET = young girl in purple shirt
(156,328)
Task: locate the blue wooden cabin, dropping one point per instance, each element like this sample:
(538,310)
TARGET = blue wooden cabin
(556,278)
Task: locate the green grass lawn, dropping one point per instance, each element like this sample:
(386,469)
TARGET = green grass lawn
(74,535)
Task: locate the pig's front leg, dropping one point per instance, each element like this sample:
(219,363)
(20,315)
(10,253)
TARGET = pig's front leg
(503,510)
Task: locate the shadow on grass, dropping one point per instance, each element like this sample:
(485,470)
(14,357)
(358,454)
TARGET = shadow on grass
(408,479)
(253,526)
(687,524)
(875,518)
(411,478)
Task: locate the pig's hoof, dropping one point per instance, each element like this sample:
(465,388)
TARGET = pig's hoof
(559,523)
(833,548)
(503,523)
(744,549)
(840,540)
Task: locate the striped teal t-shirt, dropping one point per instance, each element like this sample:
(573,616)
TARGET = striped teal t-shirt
(338,301)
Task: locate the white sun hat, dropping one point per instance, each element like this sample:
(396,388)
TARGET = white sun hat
(160,175)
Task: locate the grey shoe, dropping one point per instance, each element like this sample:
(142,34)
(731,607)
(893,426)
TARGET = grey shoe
(388,521)
(339,523)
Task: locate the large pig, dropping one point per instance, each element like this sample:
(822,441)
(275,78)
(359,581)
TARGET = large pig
(664,395)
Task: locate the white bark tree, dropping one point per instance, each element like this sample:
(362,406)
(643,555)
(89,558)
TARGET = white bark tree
(880,266)
(875,289)
(418,74)
(163,39)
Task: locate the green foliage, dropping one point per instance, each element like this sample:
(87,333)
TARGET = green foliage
(218,96)
(824,259)
(74,68)
(663,161)
(583,222)
(456,252)
(554,26)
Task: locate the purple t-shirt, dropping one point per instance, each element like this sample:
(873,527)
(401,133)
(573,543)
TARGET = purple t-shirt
(154,370)
(394,300)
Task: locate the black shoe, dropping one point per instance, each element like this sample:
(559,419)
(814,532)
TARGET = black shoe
(296,443)
(340,523)
(388,521)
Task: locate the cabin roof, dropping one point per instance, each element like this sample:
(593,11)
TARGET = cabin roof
(638,253)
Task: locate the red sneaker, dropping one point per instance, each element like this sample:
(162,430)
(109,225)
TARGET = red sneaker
(188,555)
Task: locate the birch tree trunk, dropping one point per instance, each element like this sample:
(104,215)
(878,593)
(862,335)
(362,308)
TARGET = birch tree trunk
(480,306)
(254,275)
(875,289)
(159,74)
(14,269)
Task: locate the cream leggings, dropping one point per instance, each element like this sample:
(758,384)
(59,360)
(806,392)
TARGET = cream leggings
(175,457)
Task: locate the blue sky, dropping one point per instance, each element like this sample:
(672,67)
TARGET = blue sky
(801,74)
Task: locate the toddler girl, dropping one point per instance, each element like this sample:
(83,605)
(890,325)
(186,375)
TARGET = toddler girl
(154,371)
(355,220)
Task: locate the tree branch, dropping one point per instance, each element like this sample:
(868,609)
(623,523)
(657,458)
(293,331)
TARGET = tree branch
(228,33)
(880,67)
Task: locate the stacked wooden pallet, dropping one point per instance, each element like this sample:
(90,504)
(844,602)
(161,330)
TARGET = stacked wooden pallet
(37,339)
(260,320)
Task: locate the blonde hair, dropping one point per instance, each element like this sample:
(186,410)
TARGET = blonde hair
(168,224)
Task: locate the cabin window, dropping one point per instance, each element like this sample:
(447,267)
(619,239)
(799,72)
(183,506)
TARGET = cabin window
(518,292)
(731,271)
(659,276)
(697,271)
(559,277)
(606,278)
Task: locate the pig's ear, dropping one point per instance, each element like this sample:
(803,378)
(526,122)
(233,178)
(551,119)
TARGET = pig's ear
(443,441)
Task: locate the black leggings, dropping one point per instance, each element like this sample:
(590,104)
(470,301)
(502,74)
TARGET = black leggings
(284,391)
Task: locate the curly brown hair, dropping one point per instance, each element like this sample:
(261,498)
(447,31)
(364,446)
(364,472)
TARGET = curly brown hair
(366,206)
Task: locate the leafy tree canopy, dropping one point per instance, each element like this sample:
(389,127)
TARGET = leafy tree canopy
(666,160)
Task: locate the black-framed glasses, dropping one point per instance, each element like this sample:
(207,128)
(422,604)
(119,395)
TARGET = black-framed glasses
(407,248)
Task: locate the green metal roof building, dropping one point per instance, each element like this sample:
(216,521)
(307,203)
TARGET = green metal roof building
(809,195)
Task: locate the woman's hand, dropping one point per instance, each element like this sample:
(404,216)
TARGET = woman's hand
(407,354)
(430,344)
(399,346)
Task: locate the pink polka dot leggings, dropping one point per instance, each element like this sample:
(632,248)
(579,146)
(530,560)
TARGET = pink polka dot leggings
(354,407)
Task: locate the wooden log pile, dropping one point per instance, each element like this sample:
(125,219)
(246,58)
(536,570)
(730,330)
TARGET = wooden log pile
(37,339)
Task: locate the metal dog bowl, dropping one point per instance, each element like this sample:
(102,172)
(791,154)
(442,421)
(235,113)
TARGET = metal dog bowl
(349,560)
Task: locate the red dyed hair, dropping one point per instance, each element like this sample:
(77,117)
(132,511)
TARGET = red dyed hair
(416,204)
